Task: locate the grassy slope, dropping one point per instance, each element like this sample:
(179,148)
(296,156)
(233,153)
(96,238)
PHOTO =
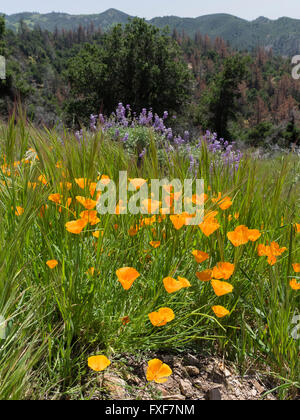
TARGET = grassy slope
(57,318)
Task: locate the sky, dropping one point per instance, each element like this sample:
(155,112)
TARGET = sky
(185,8)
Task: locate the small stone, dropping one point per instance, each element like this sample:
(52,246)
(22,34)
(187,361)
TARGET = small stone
(115,386)
(186,388)
(192,370)
(214,395)
(174,397)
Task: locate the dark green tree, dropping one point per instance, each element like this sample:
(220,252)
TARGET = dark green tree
(136,64)
(220,102)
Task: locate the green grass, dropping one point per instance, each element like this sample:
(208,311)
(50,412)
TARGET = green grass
(58,318)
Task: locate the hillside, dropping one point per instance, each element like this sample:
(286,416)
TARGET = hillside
(282,35)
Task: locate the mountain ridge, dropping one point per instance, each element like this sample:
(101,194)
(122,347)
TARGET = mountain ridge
(282,34)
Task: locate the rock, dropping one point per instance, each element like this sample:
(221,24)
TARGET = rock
(213,395)
(260,389)
(192,370)
(115,386)
(174,397)
(186,388)
(192,360)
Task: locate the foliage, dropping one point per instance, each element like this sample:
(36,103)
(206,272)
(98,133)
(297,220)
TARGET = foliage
(137,64)
(57,317)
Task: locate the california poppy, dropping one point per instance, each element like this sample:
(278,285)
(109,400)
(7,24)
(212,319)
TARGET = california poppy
(127,276)
(223,270)
(220,311)
(242,235)
(87,202)
(19,211)
(158,371)
(200,256)
(90,216)
(210,224)
(294,284)
(296,268)
(205,275)
(162,317)
(76,226)
(178,221)
(172,285)
(271,251)
(98,363)
(52,264)
(137,183)
(155,244)
(221,288)
(82,182)
(55,198)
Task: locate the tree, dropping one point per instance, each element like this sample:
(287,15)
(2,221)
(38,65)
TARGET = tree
(2,31)
(136,64)
(220,101)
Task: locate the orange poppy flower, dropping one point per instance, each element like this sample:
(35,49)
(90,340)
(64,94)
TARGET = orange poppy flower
(178,221)
(148,221)
(205,275)
(52,264)
(272,252)
(133,231)
(98,363)
(297,226)
(55,198)
(242,235)
(220,311)
(158,371)
(150,206)
(91,271)
(223,270)
(224,203)
(19,211)
(76,226)
(68,203)
(162,317)
(87,202)
(82,182)
(127,276)
(125,320)
(105,179)
(210,224)
(137,183)
(221,288)
(32,185)
(66,185)
(155,244)
(296,268)
(172,285)
(200,256)
(295,285)
(43,179)
(90,216)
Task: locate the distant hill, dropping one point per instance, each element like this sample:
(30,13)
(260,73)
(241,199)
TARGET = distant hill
(282,35)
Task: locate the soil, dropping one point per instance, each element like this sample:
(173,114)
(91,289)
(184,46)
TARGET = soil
(194,378)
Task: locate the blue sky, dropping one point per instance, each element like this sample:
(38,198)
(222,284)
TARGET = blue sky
(189,8)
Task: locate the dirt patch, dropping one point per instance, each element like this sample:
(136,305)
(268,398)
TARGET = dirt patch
(194,378)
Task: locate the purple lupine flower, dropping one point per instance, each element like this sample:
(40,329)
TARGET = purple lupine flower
(186,136)
(93,122)
(125,138)
(166,114)
(144,151)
